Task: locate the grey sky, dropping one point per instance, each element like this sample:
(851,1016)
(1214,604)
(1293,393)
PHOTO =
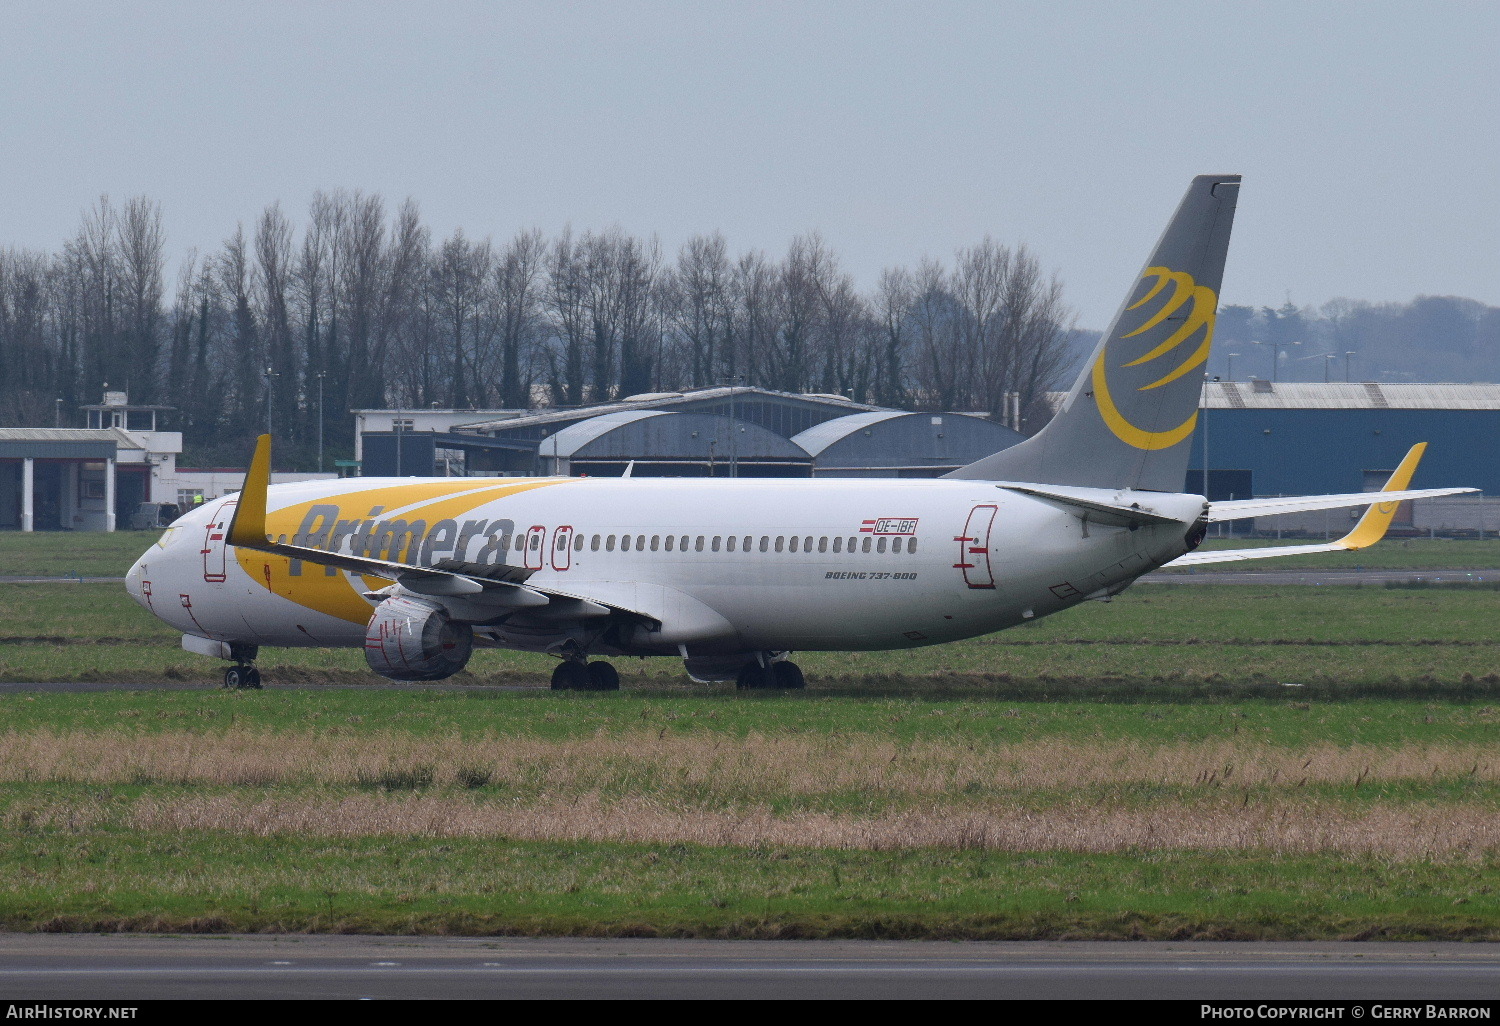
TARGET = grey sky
(1367,132)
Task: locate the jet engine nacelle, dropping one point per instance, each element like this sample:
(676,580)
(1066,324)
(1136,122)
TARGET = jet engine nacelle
(412,640)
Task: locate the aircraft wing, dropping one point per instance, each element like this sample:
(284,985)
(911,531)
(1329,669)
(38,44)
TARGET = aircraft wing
(498,584)
(1370,529)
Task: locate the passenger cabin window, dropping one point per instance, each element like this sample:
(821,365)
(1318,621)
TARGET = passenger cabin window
(793,546)
(640,543)
(609,544)
(698,545)
(578,544)
(866,546)
(594,543)
(880,545)
(732,540)
(895,544)
(765,543)
(655,542)
(838,545)
(778,543)
(823,544)
(911,545)
(714,545)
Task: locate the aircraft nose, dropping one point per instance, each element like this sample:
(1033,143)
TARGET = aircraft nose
(133,580)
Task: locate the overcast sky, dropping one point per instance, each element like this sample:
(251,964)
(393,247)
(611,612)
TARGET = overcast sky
(1367,132)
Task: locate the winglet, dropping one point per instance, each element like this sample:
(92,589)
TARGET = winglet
(248,528)
(1377,519)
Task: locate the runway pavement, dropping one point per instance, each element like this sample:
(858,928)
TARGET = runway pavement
(126,967)
(1324,577)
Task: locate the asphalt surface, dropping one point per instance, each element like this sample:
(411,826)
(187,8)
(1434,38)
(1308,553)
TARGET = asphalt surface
(1313,577)
(132,966)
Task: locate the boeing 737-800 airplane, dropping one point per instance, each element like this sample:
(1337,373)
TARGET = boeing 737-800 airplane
(734,575)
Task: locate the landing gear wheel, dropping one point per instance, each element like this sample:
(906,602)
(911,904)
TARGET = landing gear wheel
(240,678)
(787,675)
(603,677)
(754,678)
(570,676)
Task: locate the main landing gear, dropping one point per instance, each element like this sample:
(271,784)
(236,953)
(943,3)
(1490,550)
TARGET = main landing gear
(578,675)
(242,674)
(781,675)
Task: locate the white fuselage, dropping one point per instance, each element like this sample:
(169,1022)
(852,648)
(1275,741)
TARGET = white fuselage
(724,565)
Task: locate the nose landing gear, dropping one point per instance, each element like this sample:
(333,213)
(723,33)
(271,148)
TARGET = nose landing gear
(242,674)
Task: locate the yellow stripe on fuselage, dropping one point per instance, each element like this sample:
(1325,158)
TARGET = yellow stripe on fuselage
(430,503)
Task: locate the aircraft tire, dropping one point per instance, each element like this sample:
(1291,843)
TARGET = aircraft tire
(252,679)
(570,676)
(754,678)
(234,677)
(787,676)
(603,677)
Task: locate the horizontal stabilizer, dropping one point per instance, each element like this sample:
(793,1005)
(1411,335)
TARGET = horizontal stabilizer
(1370,529)
(1098,512)
(1240,509)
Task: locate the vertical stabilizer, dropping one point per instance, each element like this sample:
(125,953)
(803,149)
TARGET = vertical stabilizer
(1129,420)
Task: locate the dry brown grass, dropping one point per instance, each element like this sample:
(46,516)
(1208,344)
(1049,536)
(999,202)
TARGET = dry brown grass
(755,764)
(1456,830)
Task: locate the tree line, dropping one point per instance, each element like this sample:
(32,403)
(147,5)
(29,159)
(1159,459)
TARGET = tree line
(1430,338)
(361,306)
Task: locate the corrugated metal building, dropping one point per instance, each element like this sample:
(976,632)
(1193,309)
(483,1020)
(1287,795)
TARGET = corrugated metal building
(718,432)
(1293,438)
(891,443)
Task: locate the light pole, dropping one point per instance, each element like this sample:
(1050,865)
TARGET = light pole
(398,425)
(1347,357)
(1231,364)
(1276,354)
(270,377)
(1205,434)
(1326,358)
(320,420)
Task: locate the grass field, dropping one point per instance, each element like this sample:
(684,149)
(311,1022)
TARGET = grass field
(1204,636)
(719,814)
(1185,762)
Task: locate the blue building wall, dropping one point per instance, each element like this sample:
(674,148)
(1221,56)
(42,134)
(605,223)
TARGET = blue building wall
(1307,452)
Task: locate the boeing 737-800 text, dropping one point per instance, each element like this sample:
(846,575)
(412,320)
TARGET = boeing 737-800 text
(734,575)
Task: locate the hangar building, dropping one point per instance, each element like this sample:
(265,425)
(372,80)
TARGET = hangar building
(1300,438)
(715,432)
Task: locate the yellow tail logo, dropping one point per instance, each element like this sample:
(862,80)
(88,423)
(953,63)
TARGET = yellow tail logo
(1199,318)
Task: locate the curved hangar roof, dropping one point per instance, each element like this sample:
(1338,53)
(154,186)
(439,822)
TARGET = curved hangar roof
(892,440)
(658,435)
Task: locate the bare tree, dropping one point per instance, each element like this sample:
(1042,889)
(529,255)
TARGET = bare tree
(517,289)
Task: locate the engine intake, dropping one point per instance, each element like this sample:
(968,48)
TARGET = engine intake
(412,640)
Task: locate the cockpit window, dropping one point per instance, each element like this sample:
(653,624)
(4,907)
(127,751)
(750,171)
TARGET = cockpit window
(166,536)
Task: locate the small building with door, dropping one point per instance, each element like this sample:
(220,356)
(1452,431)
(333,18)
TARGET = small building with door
(81,479)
